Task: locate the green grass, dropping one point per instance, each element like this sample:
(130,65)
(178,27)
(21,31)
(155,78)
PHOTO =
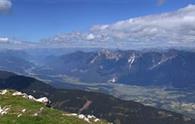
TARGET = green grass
(46,116)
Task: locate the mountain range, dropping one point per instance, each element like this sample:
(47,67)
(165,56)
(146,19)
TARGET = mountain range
(165,68)
(171,68)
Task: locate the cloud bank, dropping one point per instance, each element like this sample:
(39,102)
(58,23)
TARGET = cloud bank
(167,30)
(10,43)
(5,5)
(173,29)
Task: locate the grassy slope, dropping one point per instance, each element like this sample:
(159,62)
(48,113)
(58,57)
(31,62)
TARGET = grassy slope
(47,115)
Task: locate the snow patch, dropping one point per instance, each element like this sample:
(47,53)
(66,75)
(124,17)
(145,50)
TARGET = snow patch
(113,80)
(93,60)
(163,60)
(131,60)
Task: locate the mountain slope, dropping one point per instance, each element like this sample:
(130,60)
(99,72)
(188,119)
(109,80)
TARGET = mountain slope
(100,105)
(20,110)
(14,60)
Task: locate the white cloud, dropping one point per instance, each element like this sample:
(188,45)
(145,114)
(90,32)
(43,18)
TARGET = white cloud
(168,29)
(4,40)
(5,5)
(11,43)
(173,29)
(90,37)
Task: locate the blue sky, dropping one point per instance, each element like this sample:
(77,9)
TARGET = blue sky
(36,19)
